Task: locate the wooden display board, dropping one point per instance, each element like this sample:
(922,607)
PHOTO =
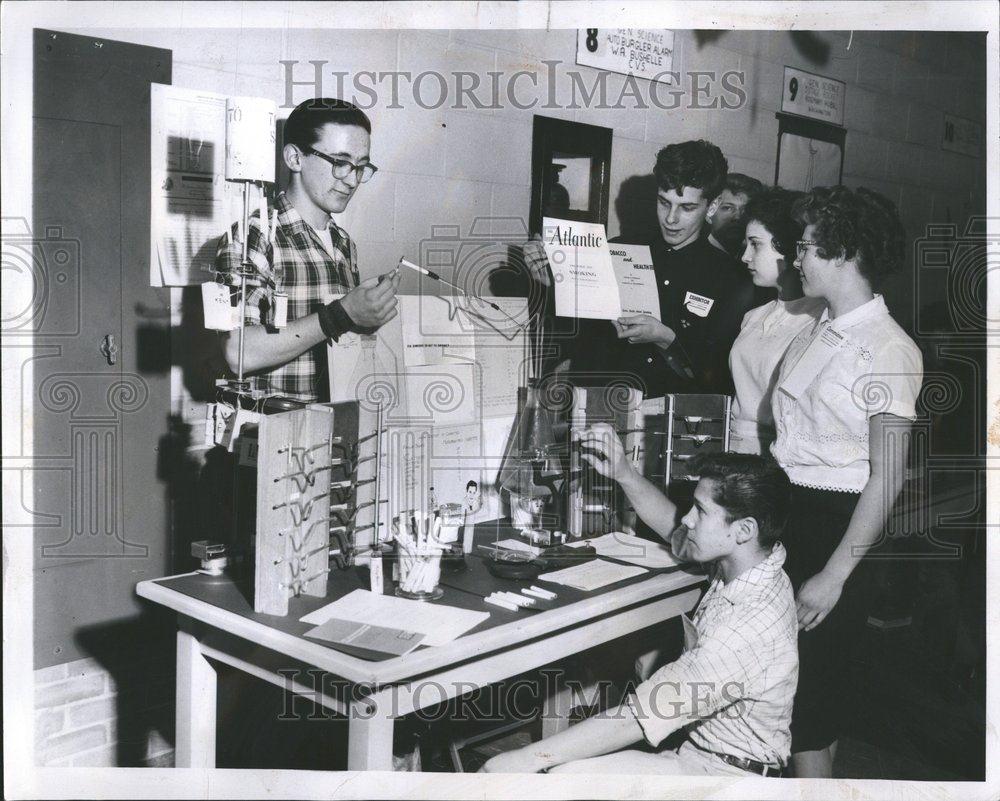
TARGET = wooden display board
(296,453)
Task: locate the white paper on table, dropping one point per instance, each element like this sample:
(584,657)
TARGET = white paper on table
(636,279)
(439,623)
(592,575)
(585,281)
(628,548)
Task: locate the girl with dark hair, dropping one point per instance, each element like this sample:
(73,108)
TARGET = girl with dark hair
(768,330)
(843,405)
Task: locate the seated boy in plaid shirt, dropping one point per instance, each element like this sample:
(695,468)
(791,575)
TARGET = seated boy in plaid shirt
(732,687)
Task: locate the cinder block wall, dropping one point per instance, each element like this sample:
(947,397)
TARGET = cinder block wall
(450,166)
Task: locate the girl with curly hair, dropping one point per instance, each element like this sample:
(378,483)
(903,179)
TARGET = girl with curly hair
(843,405)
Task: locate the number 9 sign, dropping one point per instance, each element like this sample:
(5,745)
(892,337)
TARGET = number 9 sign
(793,88)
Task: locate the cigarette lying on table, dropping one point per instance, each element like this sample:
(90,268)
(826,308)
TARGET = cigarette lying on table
(496,601)
(514,598)
(548,595)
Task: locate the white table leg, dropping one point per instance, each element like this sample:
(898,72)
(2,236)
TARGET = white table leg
(196,693)
(369,736)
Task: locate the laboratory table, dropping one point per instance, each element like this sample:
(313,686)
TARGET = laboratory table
(216,623)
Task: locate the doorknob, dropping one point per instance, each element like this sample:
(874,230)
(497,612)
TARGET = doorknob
(109,348)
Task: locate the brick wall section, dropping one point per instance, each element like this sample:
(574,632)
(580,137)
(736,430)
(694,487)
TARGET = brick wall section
(89,716)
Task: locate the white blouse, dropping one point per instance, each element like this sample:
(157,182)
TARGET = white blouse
(765,335)
(822,434)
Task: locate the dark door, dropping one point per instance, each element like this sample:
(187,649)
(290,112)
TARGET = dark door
(101,393)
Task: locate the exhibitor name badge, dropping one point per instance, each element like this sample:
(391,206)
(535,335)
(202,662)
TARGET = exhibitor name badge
(698,304)
(813,359)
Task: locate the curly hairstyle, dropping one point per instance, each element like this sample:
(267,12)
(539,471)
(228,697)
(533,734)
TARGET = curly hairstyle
(747,485)
(698,164)
(858,223)
(772,208)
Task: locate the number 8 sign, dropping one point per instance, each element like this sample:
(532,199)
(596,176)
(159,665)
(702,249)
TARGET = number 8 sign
(642,52)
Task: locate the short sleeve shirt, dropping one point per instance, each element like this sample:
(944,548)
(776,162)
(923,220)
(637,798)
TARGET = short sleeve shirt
(297,261)
(735,682)
(822,434)
(766,333)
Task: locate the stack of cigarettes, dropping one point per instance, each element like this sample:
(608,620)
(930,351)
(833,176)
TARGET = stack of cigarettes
(513,601)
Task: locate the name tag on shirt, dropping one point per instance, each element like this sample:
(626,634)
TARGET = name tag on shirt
(279,309)
(219,313)
(813,359)
(698,304)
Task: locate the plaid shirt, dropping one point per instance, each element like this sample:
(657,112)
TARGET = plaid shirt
(735,682)
(298,263)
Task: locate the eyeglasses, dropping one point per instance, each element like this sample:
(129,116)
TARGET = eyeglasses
(801,245)
(342,168)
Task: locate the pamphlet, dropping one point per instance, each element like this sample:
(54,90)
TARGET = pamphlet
(364,639)
(585,280)
(637,289)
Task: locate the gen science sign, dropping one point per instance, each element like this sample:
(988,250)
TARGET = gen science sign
(814,96)
(643,52)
